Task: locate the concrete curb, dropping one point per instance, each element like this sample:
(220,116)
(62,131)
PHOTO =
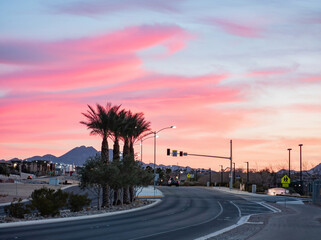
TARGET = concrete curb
(67,219)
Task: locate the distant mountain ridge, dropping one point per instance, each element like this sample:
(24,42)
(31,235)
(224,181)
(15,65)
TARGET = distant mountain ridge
(77,156)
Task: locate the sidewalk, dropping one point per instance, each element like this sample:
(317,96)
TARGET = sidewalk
(149,192)
(302,223)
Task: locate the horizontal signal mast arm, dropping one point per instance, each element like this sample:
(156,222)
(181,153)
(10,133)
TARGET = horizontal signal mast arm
(199,155)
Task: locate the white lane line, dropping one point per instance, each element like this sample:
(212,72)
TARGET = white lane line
(242,221)
(237,208)
(268,206)
(177,229)
(67,219)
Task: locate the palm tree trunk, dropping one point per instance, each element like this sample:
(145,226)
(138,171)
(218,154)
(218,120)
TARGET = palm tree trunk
(131,147)
(126,199)
(105,158)
(116,149)
(131,194)
(126,147)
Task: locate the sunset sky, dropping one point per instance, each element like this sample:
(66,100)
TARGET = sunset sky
(219,70)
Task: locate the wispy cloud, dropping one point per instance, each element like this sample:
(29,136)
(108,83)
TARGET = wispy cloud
(247,30)
(97,7)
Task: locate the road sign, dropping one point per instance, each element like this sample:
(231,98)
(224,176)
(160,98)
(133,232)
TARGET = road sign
(188,175)
(174,153)
(285,181)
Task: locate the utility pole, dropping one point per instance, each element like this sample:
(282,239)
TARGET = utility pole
(289,149)
(210,180)
(247,175)
(300,145)
(221,174)
(234,173)
(231,169)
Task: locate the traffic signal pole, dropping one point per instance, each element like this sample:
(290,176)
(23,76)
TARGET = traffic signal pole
(200,155)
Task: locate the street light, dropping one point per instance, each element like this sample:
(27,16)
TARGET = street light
(300,145)
(141,147)
(247,174)
(234,172)
(155,136)
(221,174)
(289,149)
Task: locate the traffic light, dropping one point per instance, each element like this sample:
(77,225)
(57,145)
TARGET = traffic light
(168,152)
(181,153)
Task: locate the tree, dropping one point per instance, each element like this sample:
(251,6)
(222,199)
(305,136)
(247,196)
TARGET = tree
(99,122)
(95,174)
(4,170)
(134,126)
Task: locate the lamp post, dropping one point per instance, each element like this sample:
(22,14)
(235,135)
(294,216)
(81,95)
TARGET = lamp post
(300,145)
(234,172)
(221,174)
(289,149)
(155,136)
(141,147)
(247,175)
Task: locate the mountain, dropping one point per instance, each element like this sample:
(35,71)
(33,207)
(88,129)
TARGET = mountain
(47,157)
(78,155)
(316,170)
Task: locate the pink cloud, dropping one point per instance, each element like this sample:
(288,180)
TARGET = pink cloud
(272,71)
(97,7)
(88,48)
(248,30)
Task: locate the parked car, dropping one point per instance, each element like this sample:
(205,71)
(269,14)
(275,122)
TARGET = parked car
(29,177)
(173,181)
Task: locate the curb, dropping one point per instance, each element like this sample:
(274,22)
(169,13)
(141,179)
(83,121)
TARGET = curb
(67,219)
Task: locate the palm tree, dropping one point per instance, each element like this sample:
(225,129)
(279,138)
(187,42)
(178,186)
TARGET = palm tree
(99,123)
(135,126)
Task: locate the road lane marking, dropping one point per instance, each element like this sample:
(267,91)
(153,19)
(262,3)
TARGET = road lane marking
(237,208)
(177,229)
(242,221)
(268,206)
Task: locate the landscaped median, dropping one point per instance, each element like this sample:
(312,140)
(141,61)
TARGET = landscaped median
(24,214)
(67,215)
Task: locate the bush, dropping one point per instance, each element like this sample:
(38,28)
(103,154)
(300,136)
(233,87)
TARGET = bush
(48,201)
(16,209)
(77,202)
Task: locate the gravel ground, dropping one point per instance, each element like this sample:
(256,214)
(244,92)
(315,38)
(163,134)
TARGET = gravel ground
(255,224)
(85,212)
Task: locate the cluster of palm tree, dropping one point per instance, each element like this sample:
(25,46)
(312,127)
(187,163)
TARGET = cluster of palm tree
(112,122)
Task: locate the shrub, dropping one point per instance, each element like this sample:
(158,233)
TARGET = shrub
(77,202)
(16,209)
(48,201)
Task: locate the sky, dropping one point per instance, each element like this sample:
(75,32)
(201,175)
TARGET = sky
(247,71)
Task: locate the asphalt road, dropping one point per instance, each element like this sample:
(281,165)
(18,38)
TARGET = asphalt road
(185,213)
